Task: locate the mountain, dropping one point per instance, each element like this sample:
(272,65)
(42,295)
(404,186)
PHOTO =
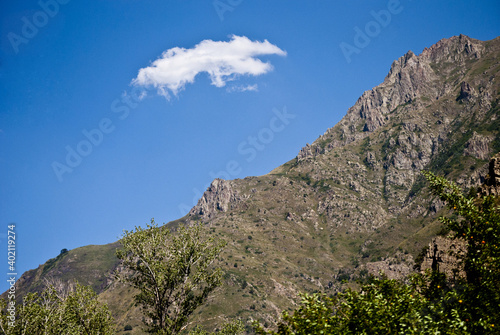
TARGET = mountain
(350,204)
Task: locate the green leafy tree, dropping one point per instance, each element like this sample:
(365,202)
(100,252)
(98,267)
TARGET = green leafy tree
(477,224)
(174,272)
(382,307)
(54,312)
(86,313)
(314,316)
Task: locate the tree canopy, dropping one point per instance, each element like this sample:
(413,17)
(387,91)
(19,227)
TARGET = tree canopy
(174,272)
(68,311)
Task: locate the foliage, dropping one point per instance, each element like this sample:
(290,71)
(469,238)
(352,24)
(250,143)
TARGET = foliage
(228,328)
(478,225)
(381,307)
(174,273)
(315,316)
(430,303)
(60,312)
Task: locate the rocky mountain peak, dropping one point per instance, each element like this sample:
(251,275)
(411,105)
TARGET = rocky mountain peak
(456,49)
(220,196)
(412,77)
(411,81)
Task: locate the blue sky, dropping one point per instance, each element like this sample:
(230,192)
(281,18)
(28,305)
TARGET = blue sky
(67,68)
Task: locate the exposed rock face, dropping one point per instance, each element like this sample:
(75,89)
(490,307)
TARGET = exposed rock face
(396,267)
(466,92)
(457,49)
(491,184)
(308,151)
(219,197)
(442,256)
(478,146)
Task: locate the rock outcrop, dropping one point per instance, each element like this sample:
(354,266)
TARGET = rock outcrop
(478,146)
(467,93)
(219,197)
(491,184)
(443,255)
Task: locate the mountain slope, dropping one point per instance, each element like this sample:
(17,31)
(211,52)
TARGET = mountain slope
(351,203)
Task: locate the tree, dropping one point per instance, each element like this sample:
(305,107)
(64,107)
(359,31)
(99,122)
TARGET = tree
(314,316)
(86,313)
(384,306)
(54,312)
(477,223)
(174,272)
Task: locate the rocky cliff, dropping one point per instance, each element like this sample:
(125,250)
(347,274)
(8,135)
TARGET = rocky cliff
(219,197)
(491,184)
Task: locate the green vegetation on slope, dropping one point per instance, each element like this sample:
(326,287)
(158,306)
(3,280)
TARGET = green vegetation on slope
(466,303)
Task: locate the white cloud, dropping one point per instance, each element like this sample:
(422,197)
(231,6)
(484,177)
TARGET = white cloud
(223,61)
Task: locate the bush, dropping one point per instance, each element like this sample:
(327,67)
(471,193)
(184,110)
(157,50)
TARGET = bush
(65,310)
